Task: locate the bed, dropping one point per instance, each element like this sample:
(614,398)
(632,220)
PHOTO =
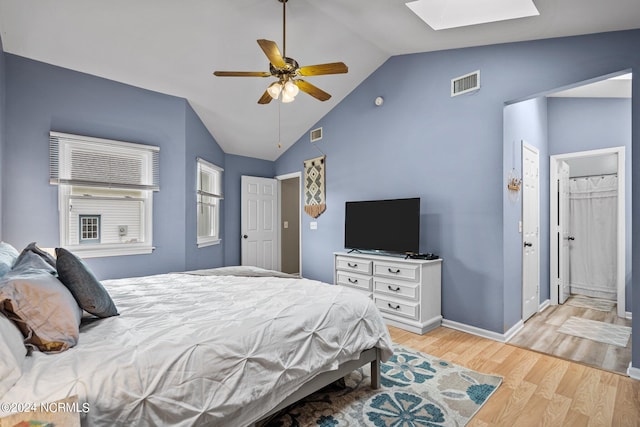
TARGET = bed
(223,347)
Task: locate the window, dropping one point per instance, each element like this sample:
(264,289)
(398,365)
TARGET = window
(89,229)
(209,194)
(105,194)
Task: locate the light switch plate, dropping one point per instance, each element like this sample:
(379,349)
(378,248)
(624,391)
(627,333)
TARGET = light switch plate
(285,224)
(313,225)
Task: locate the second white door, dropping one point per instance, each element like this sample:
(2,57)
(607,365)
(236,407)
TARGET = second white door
(259,218)
(530,231)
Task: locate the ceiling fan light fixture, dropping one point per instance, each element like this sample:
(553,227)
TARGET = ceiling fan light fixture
(286,97)
(286,70)
(274,89)
(291,89)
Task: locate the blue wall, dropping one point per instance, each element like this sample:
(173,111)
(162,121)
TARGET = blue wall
(2,127)
(200,143)
(40,98)
(582,124)
(235,167)
(450,152)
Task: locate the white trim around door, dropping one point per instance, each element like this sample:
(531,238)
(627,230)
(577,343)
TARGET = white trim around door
(621,228)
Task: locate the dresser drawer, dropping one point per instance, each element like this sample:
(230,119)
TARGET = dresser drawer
(405,309)
(400,271)
(354,280)
(410,291)
(353,264)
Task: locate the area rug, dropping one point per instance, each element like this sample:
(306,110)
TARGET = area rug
(592,303)
(416,390)
(596,331)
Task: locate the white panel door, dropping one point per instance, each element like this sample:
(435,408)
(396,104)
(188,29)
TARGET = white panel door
(259,222)
(530,230)
(564,236)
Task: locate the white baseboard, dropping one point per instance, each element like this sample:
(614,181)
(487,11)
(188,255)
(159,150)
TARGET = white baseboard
(628,315)
(545,304)
(633,372)
(495,336)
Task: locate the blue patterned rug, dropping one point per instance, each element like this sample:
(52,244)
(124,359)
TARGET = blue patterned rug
(417,390)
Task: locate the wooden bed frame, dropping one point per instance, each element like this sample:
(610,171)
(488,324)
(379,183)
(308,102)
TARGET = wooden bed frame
(323,379)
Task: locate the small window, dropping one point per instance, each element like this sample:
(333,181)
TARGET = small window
(208,197)
(89,229)
(105,194)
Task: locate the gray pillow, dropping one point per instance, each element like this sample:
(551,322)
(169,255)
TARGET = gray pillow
(31,247)
(8,256)
(85,288)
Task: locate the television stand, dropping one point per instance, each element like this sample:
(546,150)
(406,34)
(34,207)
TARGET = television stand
(406,291)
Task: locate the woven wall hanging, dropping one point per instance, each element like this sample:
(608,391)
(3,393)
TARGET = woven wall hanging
(314,191)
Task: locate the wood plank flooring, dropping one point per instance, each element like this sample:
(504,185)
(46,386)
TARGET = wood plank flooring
(540,334)
(537,389)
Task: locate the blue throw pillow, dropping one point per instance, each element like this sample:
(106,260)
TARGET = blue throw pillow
(85,288)
(8,256)
(31,247)
(30,263)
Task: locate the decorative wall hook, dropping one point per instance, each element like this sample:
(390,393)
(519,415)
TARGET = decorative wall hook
(514,182)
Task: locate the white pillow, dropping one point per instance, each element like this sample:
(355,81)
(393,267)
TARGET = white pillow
(12,354)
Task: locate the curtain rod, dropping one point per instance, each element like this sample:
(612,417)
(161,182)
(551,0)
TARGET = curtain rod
(589,176)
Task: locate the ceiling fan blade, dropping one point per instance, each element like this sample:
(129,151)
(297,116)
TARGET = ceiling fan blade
(312,90)
(265,98)
(241,74)
(273,53)
(317,70)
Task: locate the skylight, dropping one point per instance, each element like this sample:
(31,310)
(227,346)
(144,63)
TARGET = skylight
(443,14)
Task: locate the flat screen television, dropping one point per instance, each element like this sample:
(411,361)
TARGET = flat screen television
(383,225)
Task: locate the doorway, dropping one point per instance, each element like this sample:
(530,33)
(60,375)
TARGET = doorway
(581,127)
(587,238)
(290,219)
(270,222)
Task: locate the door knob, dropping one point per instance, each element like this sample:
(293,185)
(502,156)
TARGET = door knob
(528,244)
(244,236)
(571,238)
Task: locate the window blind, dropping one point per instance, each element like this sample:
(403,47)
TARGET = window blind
(96,162)
(209,179)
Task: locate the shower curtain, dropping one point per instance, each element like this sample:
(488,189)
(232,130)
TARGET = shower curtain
(593,207)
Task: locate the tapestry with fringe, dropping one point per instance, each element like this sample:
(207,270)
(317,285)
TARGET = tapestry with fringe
(314,192)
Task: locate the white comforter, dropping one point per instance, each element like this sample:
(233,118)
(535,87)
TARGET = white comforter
(204,350)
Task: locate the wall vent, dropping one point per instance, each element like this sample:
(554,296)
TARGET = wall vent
(464,84)
(316,135)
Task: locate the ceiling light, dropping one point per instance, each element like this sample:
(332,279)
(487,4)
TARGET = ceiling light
(286,97)
(443,14)
(274,89)
(290,88)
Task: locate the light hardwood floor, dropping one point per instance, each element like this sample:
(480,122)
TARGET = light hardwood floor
(537,389)
(540,334)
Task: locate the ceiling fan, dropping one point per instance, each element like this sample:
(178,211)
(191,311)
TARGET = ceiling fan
(287,71)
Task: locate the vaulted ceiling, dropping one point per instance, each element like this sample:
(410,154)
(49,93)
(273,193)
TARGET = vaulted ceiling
(173,47)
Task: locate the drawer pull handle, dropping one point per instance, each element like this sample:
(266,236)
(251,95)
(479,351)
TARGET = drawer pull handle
(354,265)
(396,271)
(395,307)
(353,280)
(394,289)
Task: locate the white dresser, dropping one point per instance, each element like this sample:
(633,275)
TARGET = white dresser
(406,291)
